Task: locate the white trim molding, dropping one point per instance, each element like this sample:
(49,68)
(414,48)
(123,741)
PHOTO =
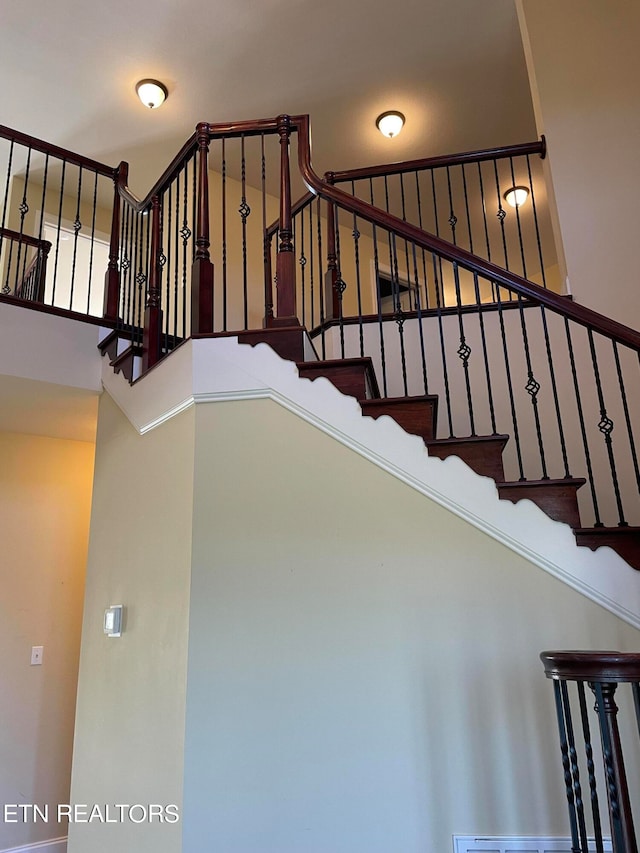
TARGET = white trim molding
(54,845)
(515,844)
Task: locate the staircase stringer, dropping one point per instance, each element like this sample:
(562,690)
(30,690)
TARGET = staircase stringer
(218,370)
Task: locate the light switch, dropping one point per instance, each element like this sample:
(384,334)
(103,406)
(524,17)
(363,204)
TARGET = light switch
(112,623)
(36,655)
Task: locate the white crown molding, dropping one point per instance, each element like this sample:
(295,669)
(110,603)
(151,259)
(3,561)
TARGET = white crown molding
(218,370)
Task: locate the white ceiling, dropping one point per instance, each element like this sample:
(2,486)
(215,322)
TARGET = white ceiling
(454,67)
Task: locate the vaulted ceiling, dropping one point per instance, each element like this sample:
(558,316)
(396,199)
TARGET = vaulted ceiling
(454,67)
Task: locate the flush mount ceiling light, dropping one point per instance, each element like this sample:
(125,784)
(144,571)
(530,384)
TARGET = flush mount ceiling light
(390,123)
(516,196)
(152,93)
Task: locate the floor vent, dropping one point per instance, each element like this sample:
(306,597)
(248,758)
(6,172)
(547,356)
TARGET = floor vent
(518,844)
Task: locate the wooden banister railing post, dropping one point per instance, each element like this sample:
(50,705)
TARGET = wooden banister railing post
(202,276)
(151,349)
(112,276)
(286,262)
(332,275)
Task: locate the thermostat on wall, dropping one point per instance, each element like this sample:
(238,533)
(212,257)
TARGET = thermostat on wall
(113,621)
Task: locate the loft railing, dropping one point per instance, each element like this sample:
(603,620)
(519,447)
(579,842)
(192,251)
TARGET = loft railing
(591,744)
(464,198)
(56,199)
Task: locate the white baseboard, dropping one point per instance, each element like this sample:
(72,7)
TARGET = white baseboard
(54,845)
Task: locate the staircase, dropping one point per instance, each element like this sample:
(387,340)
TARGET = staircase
(413,295)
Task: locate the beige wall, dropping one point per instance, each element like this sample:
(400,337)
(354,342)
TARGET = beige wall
(45,498)
(584,67)
(130,714)
(363,665)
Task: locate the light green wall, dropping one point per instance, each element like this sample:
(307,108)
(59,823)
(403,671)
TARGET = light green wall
(130,713)
(363,665)
(45,499)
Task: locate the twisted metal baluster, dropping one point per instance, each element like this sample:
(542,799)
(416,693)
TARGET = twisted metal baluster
(591,770)
(575,771)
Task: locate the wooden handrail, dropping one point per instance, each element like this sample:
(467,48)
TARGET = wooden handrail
(24,238)
(538,147)
(571,310)
(591,666)
(56,151)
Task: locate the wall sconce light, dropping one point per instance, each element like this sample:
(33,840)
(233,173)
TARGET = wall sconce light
(516,196)
(152,93)
(390,123)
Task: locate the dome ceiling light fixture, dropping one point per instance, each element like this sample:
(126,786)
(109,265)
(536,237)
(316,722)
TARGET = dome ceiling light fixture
(152,93)
(516,196)
(390,123)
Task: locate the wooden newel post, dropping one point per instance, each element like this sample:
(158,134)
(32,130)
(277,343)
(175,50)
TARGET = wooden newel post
(202,274)
(332,275)
(151,336)
(286,262)
(112,276)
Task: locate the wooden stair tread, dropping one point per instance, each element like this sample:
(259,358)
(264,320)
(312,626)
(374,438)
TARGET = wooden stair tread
(482,453)
(558,498)
(624,540)
(416,415)
(353,376)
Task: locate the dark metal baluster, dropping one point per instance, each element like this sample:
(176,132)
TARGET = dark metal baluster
(501,214)
(424,257)
(340,284)
(575,771)
(379,301)
(6,287)
(302,260)
(169,233)
(535,220)
(266,246)
(514,418)
(141,277)
(464,350)
(6,191)
(244,210)
(77,226)
(564,750)
(554,388)
(532,388)
(93,233)
(605,425)
(224,236)
(517,209)
(23,209)
(484,218)
(185,233)
(42,261)
(311,268)
(55,265)
(624,840)
(356,252)
(627,416)
(425,379)
(466,207)
(176,283)
(591,770)
(439,259)
(485,354)
(453,219)
(321,279)
(123,263)
(583,431)
(398,314)
(437,262)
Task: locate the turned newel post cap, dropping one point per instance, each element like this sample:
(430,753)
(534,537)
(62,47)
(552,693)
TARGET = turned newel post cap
(593,666)
(202,132)
(284,124)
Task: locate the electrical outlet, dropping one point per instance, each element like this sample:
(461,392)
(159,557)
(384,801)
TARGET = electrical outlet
(36,655)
